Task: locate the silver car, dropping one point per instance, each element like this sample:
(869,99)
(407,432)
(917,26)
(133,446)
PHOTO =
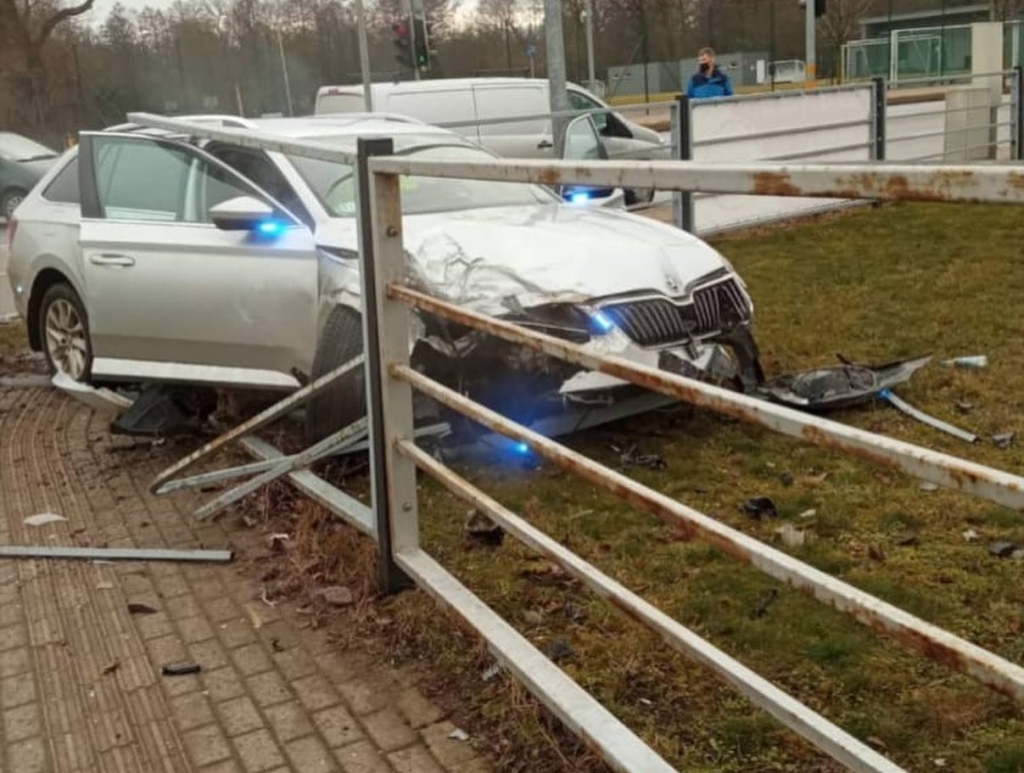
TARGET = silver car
(145,257)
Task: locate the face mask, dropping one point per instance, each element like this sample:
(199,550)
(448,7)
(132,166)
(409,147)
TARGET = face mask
(705,67)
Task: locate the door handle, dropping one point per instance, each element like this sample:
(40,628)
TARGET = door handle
(545,144)
(111,259)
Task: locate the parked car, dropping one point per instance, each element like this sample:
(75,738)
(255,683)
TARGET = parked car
(241,268)
(476,102)
(22,163)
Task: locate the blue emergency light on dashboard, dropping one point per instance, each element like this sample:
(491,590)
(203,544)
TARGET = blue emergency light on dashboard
(579,197)
(271,228)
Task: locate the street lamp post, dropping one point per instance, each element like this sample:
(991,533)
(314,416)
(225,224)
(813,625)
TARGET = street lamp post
(364,56)
(588,12)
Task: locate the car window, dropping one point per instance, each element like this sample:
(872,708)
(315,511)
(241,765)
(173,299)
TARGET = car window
(64,187)
(580,101)
(157,181)
(257,166)
(335,185)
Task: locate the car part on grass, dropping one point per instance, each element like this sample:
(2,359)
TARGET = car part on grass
(924,418)
(114,554)
(760,506)
(839,386)
(1004,440)
(974,361)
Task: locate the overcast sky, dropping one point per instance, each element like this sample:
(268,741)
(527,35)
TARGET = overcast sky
(102,7)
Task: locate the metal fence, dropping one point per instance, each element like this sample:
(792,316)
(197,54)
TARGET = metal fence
(388,304)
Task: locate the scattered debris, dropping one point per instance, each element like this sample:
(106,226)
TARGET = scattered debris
(254,615)
(632,458)
(1018,554)
(808,513)
(111,667)
(275,645)
(277,542)
(970,535)
(249,521)
(458,734)
(792,537)
(336,595)
(875,553)
(974,361)
(558,650)
(816,480)
(482,529)
(114,554)
(181,669)
(786,479)
(964,406)
(1004,440)
(533,617)
(491,672)
(877,742)
(163,410)
(264,599)
(940,762)
(929,486)
(924,418)
(762,606)
(840,386)
(646,701)
(908,542)
(1002,549)
(43,518)
(104,586)
(760,506)
(135,608)
(100,399)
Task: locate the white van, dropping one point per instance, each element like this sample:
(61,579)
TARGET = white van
(468,105)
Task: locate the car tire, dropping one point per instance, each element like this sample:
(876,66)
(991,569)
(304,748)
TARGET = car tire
(344,401)
(64,332)
(10,201)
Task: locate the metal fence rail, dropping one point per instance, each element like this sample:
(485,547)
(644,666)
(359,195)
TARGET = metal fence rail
(393,519)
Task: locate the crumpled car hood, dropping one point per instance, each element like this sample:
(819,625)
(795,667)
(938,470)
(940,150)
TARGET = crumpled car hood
(480,258)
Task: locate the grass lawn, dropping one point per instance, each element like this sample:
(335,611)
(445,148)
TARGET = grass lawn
(874,285)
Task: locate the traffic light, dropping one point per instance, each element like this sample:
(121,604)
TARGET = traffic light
(403,50)
(422,44)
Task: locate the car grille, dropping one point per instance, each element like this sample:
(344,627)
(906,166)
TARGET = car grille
(663,321)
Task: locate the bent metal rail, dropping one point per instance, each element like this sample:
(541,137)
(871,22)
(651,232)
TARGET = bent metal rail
(395,457)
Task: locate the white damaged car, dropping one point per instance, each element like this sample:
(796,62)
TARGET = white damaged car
(144,257)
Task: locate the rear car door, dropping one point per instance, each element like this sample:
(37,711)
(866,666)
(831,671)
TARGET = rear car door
(528,132)
(172,297)
(616,135)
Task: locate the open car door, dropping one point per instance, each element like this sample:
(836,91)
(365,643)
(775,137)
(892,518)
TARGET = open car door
(584,143)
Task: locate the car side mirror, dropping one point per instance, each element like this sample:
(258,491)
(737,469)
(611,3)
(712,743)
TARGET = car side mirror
(243,213)
(583,143)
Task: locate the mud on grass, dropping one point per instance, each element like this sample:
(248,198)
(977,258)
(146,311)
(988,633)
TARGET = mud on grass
(874,285)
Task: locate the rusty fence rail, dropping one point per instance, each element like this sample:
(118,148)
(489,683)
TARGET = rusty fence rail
(396,459)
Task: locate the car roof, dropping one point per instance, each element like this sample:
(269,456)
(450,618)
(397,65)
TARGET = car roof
(435,84)
(351,124)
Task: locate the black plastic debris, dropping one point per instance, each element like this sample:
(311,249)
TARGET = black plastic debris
(164,410)
(760,507)
(840,386)
(181,669)
(1002,549)
(558,650)
(1004,440)
(482,529)
(786,479)
(140,609)
(762,606)
(633,458)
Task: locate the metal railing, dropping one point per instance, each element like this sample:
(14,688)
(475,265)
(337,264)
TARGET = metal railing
(388,303)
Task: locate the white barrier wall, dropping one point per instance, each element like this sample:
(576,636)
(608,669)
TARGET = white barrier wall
(800,127)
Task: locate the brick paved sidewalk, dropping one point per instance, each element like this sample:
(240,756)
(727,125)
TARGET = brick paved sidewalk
(81,687)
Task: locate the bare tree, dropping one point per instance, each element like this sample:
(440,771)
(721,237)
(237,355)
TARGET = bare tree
(841,24)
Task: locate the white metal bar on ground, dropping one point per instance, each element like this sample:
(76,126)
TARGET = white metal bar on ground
(349,509)
(930,640)
(575,707)
(991,183)
(114,554)
(836,743)
(942,469)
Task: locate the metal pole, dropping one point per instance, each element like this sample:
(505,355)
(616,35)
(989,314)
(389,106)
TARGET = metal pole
(589,11)
(1018,111)
(893,60)
(391,578)
(407,5)
(771,58)
(810,66)
(284,72)
(364,56)
(682,142)
(879,116)
(559,97)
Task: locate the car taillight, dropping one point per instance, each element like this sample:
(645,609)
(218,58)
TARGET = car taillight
(12,227)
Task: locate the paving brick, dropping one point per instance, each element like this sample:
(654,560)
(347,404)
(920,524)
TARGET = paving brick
(223,684)
(183,606)
(227,766)
(251,659)
(11,614)
(290,721)
(210,654)
(236,632)
(192,710)
(153,626)
(363,695)
(363,757)
(13,636)
(16,690)
(389,730)
(206,745)
(294,663)
(315,693)
(417,710)
(28,757)
(309,755)
(195,629)
(239,716)
(220,610)
(415,759)
(448,751)
(22,722)
(171,586)
(14,662)
(167,649)
(180,685)
(337,726)
(258,751)
(268,689)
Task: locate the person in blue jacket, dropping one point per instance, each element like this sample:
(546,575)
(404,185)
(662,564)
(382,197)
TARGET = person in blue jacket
(708,81)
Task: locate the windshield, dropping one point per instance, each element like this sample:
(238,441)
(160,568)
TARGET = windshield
(334,185)
(14,147)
